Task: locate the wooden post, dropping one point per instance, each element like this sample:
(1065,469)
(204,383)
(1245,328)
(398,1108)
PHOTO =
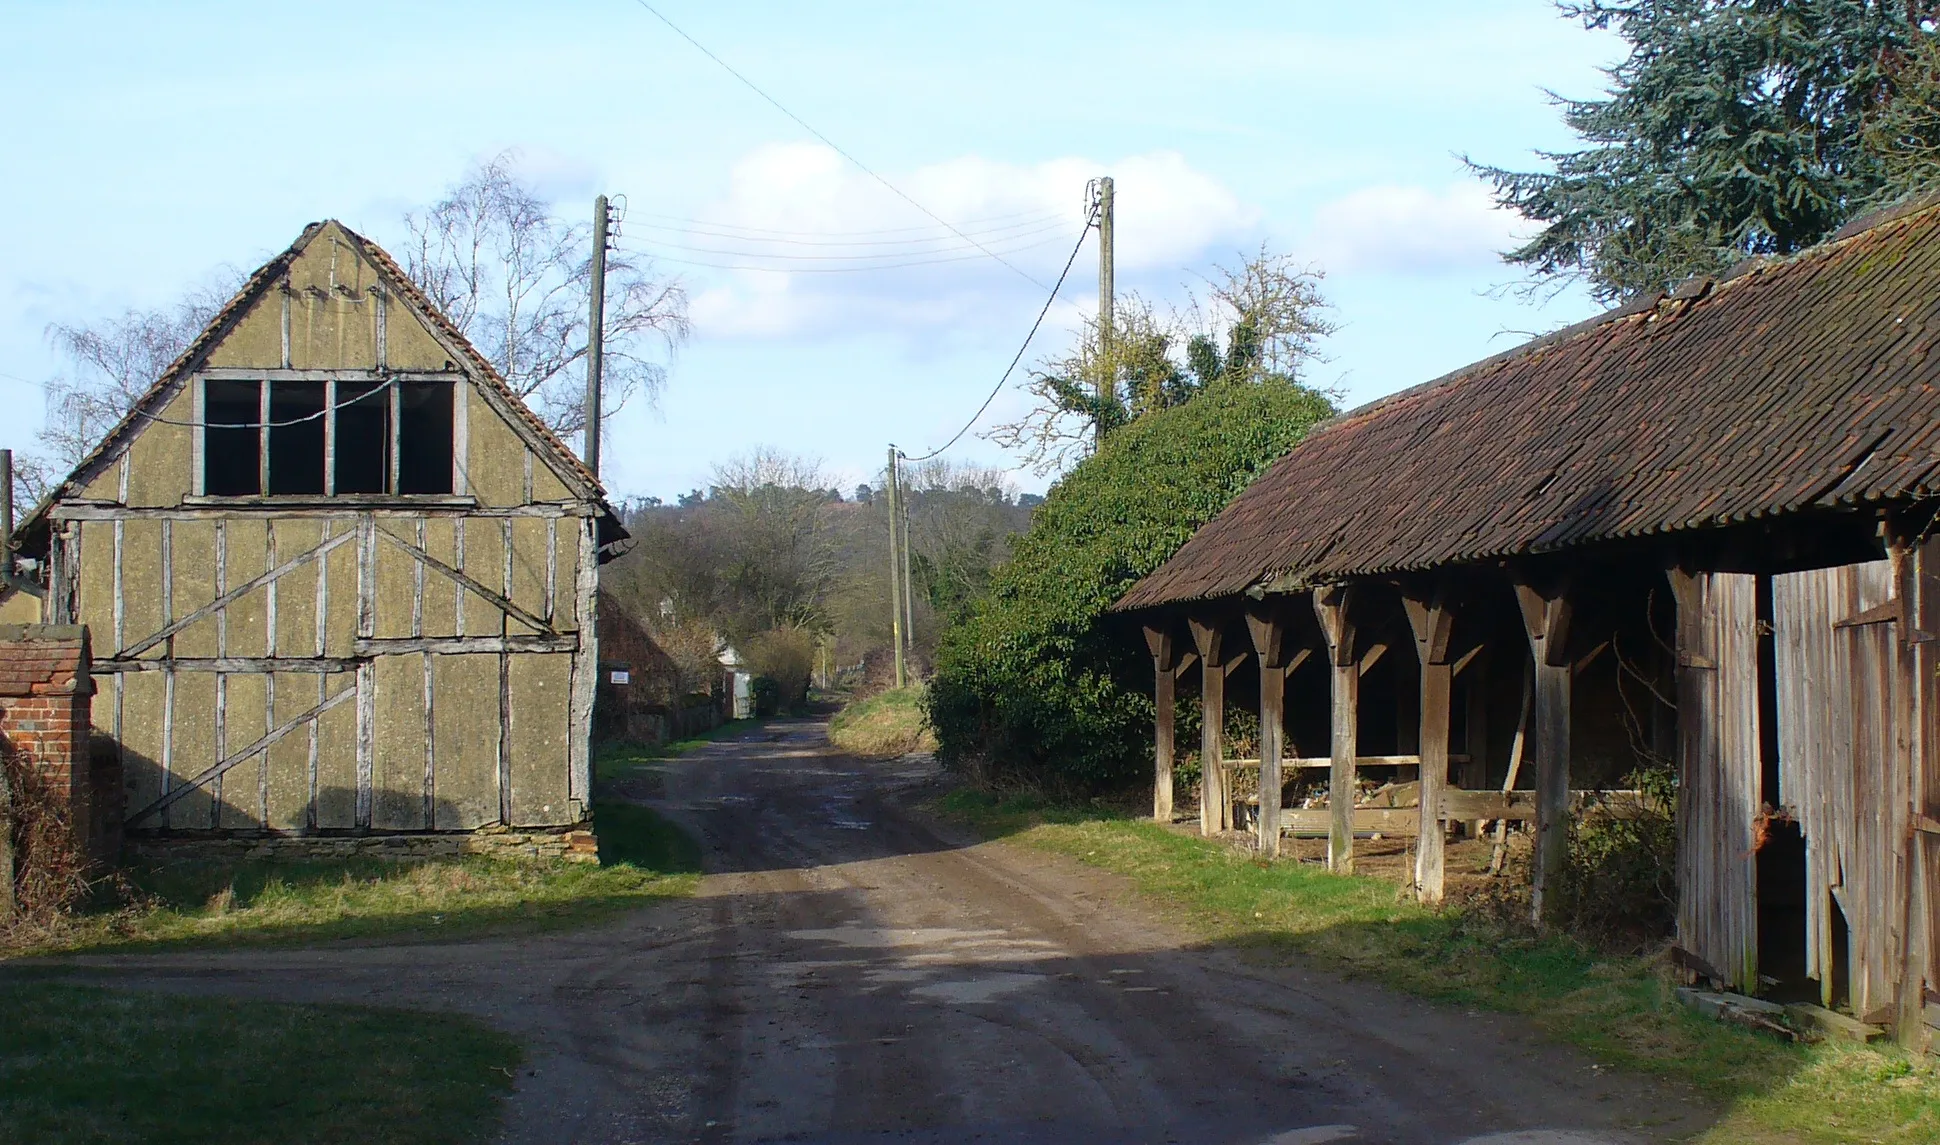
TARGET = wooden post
(1916,567)
(1545,618)
(1430,618)
(1159,640)
(1212,725)
(1331,604)
(1269,640)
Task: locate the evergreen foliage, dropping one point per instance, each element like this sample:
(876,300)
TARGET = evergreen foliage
(1037,679)
(1733,128)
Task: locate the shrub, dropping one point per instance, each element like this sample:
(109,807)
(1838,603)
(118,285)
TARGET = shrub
(49,871)
(766,695)
(1038,678)
(1618,883)
(787,657)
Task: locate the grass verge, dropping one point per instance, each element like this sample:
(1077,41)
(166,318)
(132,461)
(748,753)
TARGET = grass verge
(885,725)
(642,858)
(80,1063)
(1619,1010)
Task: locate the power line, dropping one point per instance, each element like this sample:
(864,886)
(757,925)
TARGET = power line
(859,258)
(328,409)
(1019,356)
(839,269)
(995,234)
(860,165)
(1011,222)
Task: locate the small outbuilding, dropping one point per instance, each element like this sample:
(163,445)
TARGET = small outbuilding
(1701,530)
(339,580)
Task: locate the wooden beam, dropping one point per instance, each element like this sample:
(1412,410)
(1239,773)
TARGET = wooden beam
(1164,672)
(226,599)
(1332,607)
(497,601)
(1185,664)
(1431,620)
(263,744)
(1370,658)
(1463,661)
(1212,726)
(1268,633)
(1545,611)
(1320,761)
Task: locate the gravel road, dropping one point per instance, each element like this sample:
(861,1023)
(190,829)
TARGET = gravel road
(854,973)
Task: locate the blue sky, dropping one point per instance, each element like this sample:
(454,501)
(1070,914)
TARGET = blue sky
(148,144)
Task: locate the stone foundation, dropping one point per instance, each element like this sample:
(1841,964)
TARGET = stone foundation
(556,845)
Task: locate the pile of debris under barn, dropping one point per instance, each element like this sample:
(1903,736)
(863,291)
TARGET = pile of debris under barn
(1701,528)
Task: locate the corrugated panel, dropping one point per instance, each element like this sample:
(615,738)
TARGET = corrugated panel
(1810,382)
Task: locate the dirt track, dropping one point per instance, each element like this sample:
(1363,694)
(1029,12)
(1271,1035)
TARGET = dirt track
(853,973)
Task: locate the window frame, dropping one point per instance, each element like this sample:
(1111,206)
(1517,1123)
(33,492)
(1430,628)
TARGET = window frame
(392,382)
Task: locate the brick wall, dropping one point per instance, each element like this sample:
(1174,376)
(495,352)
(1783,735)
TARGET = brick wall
(45,707)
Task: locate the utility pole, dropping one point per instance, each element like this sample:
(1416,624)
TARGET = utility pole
(1107,369)
(896,574)
(596,335)
(909,584)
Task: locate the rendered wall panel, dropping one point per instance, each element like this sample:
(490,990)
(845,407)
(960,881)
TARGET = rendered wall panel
(465,704)
(540,695)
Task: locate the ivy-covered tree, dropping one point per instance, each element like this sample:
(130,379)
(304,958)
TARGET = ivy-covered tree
(1733,128)
(1260,320)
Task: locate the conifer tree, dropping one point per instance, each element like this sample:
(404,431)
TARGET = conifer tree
(1732,128)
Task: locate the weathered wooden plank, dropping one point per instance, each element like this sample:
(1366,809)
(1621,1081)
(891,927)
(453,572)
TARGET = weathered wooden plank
(585,670)
(465,645)
(233,664)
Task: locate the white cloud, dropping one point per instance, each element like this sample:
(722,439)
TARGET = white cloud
(1413,230)
(803,243)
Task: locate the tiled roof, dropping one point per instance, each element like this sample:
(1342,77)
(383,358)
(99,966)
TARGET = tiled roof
(39,659)
(1791,385)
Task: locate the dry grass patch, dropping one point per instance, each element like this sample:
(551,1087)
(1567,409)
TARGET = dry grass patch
(642,858)
(884,725)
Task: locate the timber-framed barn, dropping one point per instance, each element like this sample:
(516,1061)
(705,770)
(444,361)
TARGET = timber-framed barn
(1700,528)
(339,581)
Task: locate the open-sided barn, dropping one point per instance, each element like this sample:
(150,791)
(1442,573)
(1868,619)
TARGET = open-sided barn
(339,580)
(1700,528)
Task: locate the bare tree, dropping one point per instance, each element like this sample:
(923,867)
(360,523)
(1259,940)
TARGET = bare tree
(1261,319)
(516,279)
(110,364)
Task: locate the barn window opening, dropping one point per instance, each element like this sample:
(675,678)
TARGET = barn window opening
(363,437)
(424,438)
(231,444)
(369,437)
(296,434)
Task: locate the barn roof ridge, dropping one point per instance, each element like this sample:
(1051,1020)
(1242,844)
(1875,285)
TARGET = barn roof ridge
(1790,383)
(253,288)
(1694,289)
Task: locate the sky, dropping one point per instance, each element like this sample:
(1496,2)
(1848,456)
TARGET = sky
(148,145)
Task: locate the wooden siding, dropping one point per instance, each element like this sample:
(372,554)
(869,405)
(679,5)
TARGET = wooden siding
(1718,765)
(1844,772)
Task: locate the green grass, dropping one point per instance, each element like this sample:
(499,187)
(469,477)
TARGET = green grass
(1619,1010)
(82,1064)
(616,760)
(643,858)
(884,725)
